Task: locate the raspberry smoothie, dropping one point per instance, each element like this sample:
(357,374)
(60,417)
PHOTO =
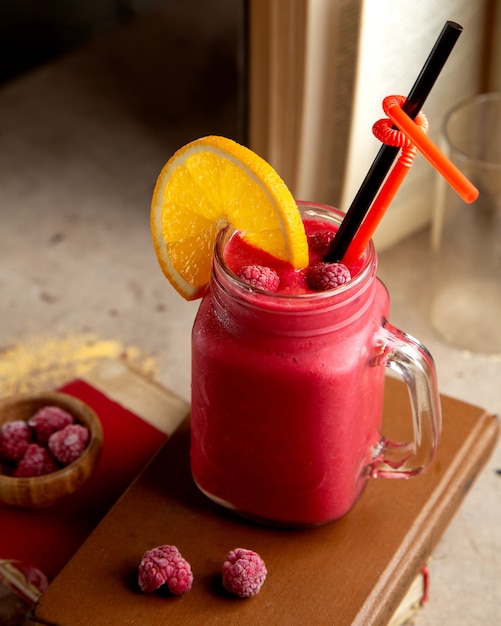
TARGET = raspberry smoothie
(286,404)
(287,386)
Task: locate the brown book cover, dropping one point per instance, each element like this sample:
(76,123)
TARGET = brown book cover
(353,571)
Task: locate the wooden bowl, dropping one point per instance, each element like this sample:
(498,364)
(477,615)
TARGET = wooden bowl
(43,491)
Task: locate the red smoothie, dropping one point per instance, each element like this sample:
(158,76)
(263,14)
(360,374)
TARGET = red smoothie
(287,388)
(239,254)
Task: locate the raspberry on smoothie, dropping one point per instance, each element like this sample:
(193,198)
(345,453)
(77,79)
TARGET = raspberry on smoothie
(262,271)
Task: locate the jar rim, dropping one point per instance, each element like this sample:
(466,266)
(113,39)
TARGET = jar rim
(313,209)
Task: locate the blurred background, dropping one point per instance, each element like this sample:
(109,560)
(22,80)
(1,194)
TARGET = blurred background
(33,32)
(155,46)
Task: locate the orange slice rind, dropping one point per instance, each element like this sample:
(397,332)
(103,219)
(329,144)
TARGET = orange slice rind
(206,185)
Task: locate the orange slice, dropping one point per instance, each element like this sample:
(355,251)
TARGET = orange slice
(208,184)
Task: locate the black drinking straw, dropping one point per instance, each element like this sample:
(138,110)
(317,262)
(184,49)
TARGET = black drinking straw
(387,154)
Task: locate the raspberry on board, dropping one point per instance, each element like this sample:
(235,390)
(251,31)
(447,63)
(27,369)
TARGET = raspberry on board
(260,277)
(164,565)
(15,437)
(244,572)
(48,420)
(36,461)
(324,276)
(67,444)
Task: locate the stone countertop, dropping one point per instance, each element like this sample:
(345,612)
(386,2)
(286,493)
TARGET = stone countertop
(81,144)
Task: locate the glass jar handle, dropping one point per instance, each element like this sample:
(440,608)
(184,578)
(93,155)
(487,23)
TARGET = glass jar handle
(411,360)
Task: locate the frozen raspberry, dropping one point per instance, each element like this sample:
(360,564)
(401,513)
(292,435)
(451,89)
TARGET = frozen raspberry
(48,420)
(260,277)
(68,443)
(323,276)
(164,565)
(15,437)
(244,572)
(33,575)
(36,461)
(321,241)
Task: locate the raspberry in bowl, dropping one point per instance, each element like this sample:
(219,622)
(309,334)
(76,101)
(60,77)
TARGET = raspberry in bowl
(50,444)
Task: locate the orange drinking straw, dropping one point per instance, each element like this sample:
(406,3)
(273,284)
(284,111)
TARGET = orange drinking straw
(411,137)
(378,209)
(456,179)
(386,133)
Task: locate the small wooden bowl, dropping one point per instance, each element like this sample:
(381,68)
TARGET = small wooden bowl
(43,491)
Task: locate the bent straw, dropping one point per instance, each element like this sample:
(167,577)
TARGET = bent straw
(456,179)
(416,134)
(387,154)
